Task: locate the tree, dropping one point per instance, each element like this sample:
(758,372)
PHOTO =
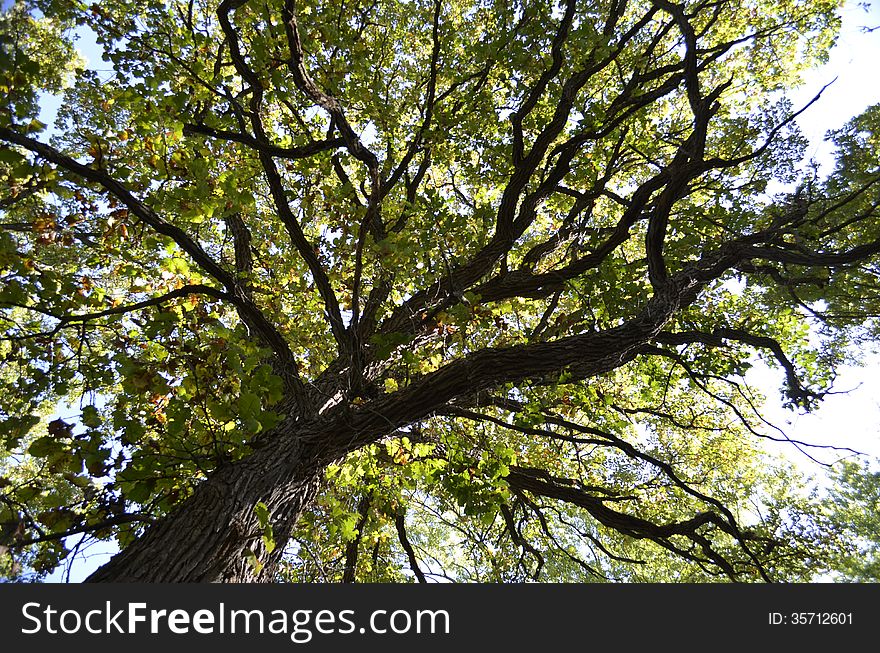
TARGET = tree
(386,290)
(850,509)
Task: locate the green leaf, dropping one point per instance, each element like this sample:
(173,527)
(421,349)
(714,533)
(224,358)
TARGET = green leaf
(252,560)
(45,446)
(91,417)
(262,513)
(249,406)
(35,126)
(12,157)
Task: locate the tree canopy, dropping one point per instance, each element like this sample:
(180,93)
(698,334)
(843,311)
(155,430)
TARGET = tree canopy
(396,290)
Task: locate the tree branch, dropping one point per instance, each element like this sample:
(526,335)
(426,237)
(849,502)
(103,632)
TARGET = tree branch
(300,152)
(276,185)
(630,525)
(88,528)
(349,572)
(135,206)
(400,525)
(331,105)
(266,331)
(800,395)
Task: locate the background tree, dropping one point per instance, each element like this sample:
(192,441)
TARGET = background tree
(851,508)
(391,290)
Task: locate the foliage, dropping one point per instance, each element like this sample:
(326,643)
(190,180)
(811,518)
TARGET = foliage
(851,509)
(492,271)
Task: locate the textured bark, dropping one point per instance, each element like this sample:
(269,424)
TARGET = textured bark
(207,537)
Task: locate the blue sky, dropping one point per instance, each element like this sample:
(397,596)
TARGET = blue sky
(853,69)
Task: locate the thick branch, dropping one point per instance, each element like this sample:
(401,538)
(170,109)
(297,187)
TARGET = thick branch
(535,93)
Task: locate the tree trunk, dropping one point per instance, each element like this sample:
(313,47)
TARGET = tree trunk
(207,538)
